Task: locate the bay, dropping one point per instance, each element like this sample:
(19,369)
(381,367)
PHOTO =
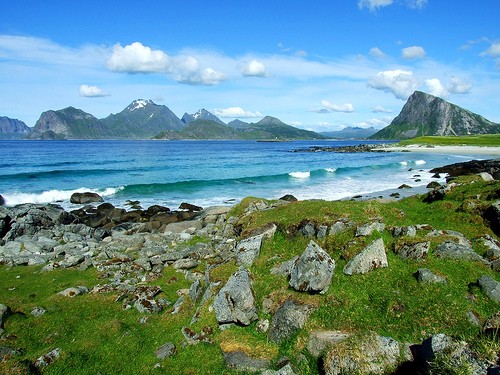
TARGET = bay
(204,173)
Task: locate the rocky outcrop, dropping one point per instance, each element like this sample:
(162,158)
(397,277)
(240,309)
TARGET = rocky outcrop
(12,128)
(287,320)
(85,198)
(371,258)
(490,166)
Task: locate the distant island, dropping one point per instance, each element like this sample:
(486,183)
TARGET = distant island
(422,115)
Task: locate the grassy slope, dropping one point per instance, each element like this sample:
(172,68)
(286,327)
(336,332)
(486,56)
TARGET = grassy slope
(96,335)
(491,140)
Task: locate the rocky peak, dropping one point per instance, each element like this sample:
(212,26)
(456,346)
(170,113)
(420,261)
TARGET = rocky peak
(139,104)
(425,114)
(12,128)
(201,114)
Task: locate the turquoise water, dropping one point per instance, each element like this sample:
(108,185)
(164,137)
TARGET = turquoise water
(205,173)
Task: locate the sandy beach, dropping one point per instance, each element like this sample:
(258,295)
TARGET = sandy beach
(460,150)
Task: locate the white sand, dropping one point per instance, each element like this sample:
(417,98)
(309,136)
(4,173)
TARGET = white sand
(455,150)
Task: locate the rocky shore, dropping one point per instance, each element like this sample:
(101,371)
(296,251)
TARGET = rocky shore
(131,249)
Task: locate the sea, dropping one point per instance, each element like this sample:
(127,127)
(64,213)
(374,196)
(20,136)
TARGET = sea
(204,173)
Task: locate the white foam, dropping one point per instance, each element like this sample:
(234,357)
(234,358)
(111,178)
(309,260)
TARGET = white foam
(51,196)
(301,175)
(331,170)
(404,163)
(420,162)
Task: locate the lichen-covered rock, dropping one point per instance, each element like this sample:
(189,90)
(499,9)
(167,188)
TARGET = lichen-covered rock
(372,257)
(166,350)
(320,341)
(424,275)
(367,229)
(490,287)
(369,354)
(240,361)
(5,312)
(74,291)
(452,250)
(415,251)
(235,302)
(248,250)
(313,270)
(287,320)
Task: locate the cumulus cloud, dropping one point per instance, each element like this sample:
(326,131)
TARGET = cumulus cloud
(435,87)
(373,4)
(137,58)
(380,109)
(327,107)
(457,86)
(413,52)
(401,83)
(254,68)
(376,52)
(92,91)
(377,123)
(493,51)
(236,112)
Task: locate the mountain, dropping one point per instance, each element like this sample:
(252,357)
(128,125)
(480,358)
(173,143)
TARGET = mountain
(273,128)
(237,124)
(69,123)
(202,114)
(208,129)
(424,114)
(142,119)
(12,128)
(350,133)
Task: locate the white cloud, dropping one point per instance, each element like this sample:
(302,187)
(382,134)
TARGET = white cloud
(254,68)
(401,83)
(377,123)
(416,3)
(376,52)
(236,112)
(380,109)
(328,107)
(493,51)
(413,52)
(92,91)
(435,87)
(137,58)
(373,4)
(457,86)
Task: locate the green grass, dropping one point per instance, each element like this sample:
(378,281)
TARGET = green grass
(491,140)
(97,336)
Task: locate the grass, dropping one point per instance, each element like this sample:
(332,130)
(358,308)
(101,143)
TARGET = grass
(97,336)
(490,140)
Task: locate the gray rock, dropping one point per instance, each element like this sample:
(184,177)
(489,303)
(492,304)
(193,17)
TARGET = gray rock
(147,305)
(248,250)
(372,257)
(263,325)
(7,352)
(285,370)
(195,291)
(287,320)
(415,251)
(240,361)
(5,312)
(85,198)
(74,291)
(493,246)
(320,341)
(166,350)
(492,325)
(485,176)
(322,232)
(38,311)
(340,226)
(370,354)
(452,250)
(48,358)
(434,345)
(490,287)
(313,270)
(284,269)
(235,302)
(71,261)
(177,305)
(308,230)
(409,231)
(369,228)
(185,264)
(424,275)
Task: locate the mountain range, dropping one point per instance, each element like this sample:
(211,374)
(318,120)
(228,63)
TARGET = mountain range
(423,114)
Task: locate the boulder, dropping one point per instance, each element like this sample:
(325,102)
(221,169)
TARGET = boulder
(240,361)
(248,250)
(492,214)
(320,341)
(190,207)
(415,251)
(340,226)
(235,302)
(369,228)
(368,354)
(48,358)
(372,257)
(74,291)
(287,320)
(85,198)
(5,312)
(490,287)
(408,231)
(166,350)
(424,275)
(452,250)
(312,271)
(288,198)
(493,246)
(2,200)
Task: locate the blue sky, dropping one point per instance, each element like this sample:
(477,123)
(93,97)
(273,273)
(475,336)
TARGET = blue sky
(319,65)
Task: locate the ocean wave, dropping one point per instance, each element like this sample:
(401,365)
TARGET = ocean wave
(420,162)
(331,170)
(300,175)
(51,196)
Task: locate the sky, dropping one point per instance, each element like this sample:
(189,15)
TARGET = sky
(319,65)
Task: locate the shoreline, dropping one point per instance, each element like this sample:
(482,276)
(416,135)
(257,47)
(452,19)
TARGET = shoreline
(454,150)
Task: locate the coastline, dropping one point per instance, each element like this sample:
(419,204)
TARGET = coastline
(454,150)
